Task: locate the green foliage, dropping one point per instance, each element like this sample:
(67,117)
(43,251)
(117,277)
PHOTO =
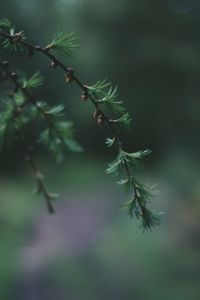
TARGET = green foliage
(116,165)
(137,205)
(58,134)
(5,23)
(33,82)
(22,108)
(54,112)
(12,40)
(110,142)
(59,138)
(125,163)
(124,160)
(139,194)
(64,43)
(19,98)
(106,94)
(12,123)
(125,119)
(7,126)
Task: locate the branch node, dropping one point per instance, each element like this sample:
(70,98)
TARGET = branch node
(69,75)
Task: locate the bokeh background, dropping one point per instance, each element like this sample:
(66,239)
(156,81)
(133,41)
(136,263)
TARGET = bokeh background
(90,249)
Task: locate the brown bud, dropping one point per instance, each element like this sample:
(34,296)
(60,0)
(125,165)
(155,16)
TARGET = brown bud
(17,37)
(69,75)
(97,113)
(54,63)
(70,70)
(100,119)
(85,94)
(68,78)
(84,97)
(14,75)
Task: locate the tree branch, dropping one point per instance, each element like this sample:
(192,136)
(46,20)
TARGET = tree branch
(125,161)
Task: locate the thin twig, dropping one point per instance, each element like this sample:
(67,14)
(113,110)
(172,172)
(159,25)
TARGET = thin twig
(40,185)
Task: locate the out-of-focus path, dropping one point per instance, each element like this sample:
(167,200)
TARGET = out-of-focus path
(75,227)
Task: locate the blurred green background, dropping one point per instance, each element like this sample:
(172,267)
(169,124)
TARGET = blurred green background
(89,249)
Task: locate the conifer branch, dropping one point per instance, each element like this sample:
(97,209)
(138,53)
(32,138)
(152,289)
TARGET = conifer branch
(100,94)
(41,189)
(63,43)
(61,130)
(12,116)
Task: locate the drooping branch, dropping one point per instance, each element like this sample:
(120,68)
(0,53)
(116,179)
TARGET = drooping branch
(100,94)
(18,38)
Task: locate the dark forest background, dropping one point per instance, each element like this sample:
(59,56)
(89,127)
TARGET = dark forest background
(89,249)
